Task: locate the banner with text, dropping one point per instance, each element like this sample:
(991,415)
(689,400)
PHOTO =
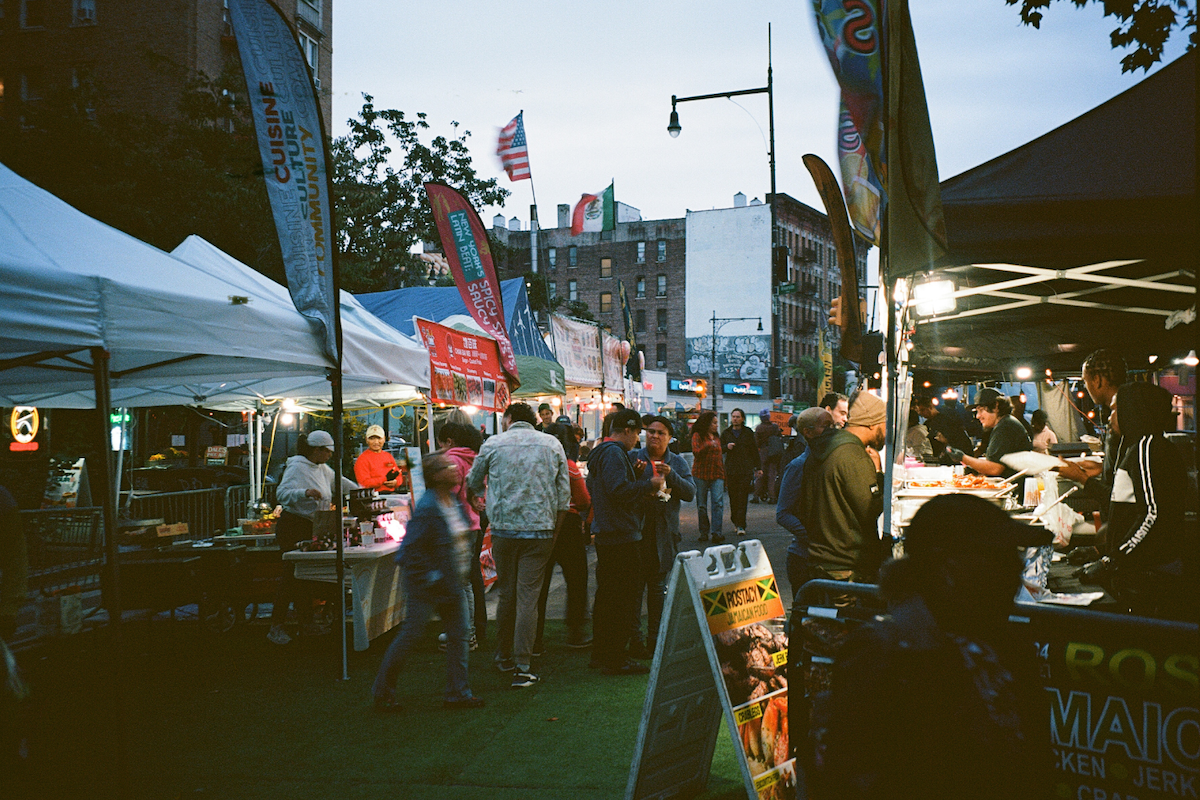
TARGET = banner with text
(614,363)
(464,368)
(577,348)
(287,122)
(465,244)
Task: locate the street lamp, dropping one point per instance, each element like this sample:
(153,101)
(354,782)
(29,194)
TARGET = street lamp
(674,128)
(713,359)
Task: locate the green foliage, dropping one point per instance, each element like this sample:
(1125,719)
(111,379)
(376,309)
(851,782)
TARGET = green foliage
(578,309)
(382,208)
(1148,24)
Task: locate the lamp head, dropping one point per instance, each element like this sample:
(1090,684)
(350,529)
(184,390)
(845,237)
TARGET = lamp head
(673,126)
(760,325)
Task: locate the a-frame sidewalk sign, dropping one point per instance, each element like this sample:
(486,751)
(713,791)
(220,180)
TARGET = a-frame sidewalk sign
(722,652)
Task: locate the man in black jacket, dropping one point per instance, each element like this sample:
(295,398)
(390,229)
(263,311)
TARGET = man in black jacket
(618,488)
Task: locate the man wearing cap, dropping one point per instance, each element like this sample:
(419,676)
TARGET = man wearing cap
(375,468)
(994,412)
(545,416)
(769,440)
(618,488)
(810,424)
(305,488)
(966,722)
(841,495)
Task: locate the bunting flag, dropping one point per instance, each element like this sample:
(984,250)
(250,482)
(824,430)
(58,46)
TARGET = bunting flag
(633,367)
(851,31)
(291,142)
(513,151)
(595,212)
(916,226)
(465,244)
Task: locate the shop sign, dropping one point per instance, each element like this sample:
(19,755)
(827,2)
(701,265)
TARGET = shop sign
(464,368)
(742,388)
(23,424)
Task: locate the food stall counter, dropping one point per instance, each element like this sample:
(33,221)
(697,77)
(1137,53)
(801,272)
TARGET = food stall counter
(374,580)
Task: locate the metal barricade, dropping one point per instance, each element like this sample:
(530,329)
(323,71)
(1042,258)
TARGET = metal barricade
(1119,692)
(238,500)
(65,547)
(203,510)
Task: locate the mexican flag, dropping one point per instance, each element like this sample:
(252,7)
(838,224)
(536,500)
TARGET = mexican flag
(595,212)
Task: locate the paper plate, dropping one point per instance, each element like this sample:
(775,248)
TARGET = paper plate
(1030,462)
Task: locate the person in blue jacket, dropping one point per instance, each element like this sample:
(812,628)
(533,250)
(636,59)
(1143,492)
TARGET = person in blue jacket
(435,556)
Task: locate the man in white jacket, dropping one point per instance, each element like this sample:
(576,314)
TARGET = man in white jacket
(306,487)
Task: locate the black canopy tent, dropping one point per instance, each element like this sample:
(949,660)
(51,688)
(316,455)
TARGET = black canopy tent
(1082,238)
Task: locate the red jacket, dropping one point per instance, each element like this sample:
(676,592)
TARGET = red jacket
(371,469)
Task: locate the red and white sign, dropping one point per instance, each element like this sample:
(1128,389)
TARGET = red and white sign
(464,368)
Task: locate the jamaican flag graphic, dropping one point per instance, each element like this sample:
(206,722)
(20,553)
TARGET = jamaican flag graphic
(741,603)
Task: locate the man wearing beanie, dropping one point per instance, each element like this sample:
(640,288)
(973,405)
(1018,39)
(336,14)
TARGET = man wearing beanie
(375,468)
(842,495)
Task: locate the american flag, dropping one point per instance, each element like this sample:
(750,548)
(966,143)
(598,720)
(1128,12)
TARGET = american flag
(514,154)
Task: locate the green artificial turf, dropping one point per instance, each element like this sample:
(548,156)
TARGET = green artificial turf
(232,716)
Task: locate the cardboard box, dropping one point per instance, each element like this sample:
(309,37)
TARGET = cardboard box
(178,529)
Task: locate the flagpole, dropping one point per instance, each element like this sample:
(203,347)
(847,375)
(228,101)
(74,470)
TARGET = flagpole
(888,372)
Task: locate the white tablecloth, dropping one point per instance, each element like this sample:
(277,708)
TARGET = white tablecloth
(374,579)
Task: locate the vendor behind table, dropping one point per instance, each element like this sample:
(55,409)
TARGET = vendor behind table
(375,468)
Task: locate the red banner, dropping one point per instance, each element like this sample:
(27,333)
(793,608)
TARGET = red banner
(464,368)
(465,244)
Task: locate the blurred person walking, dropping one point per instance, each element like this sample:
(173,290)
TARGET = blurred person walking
(768,437)
(435,556)
(811,423)
(460,443)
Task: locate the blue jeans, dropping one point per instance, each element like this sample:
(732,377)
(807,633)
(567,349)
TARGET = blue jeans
(419,606)
(716,491)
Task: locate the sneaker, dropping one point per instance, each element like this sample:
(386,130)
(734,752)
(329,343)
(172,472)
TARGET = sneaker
(702,537)
(718,539)
(505,664)
(741,531)
(277,635)
(630,667)
(523,680)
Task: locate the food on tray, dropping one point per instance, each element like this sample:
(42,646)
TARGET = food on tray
(957,482)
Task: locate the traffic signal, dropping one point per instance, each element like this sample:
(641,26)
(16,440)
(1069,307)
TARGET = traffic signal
(835,311)
(700,387)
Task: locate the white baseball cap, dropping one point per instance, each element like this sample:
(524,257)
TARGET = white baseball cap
(375,430)
(320,439)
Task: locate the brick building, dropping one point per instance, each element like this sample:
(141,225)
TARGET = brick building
(650,257)
(138,56)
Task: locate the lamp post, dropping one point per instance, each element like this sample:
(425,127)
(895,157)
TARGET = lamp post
(674,128)
(713,362)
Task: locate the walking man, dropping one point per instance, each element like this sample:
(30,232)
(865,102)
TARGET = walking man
(618,489)
(741,467)
(528,493)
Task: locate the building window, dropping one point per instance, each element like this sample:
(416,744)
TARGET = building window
(641,256)
(551,289)
(310,12)
(606,302)
(552,256)
(662,320)
(572,290)
(33,13)
(83,12)
(662,249)
(31,87)
(661,356)
(572,256)
(662,285)
(641,287)
(309,46)
(606,268)
(640,316)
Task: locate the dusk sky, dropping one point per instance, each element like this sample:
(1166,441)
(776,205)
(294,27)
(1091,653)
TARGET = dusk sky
(596,88)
